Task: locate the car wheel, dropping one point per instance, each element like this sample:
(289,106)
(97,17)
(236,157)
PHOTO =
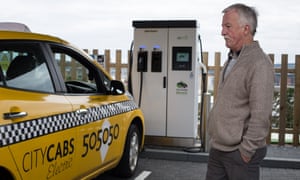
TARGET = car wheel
(4,174)
(129,161)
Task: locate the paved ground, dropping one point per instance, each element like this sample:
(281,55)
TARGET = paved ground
(281,163)
(159,169)
(172,170)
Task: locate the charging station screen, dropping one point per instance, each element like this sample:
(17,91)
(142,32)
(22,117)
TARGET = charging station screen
(182,58)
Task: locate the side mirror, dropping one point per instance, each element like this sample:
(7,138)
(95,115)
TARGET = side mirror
(117,87)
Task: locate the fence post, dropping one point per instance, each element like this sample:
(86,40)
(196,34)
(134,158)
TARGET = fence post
(217,73)
(63,65)
(205,63)
(270,131)
(73,69)
(296,102)
(118,64)
(107,60)
(95,54)
(283,98)
(205,58)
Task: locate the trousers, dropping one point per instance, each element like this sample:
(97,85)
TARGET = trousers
(230,165)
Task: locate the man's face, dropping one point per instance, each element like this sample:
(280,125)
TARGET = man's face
(232,31)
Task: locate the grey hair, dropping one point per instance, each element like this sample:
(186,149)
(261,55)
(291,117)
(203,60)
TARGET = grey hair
(247,15)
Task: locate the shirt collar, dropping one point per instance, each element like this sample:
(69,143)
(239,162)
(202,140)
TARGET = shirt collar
(233,55)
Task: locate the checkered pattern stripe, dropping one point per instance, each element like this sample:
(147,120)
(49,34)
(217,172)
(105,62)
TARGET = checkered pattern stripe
(18,132)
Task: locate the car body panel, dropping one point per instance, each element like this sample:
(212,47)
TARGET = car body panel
(24,135)
(100,140)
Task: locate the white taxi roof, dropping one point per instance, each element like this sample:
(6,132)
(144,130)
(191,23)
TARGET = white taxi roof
(12,26)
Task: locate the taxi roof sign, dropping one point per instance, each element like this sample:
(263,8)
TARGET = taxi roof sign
(12,26)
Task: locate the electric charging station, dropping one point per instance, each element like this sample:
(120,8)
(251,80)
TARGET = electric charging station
(165,77)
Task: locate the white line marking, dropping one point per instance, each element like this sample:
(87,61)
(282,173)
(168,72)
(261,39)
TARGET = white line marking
(143,175)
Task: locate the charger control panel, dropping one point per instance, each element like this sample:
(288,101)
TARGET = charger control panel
(182,58)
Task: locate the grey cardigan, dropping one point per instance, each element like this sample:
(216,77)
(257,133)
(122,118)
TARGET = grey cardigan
(240,117)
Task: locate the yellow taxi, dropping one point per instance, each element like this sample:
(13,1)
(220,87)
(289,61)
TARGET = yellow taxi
(62,115)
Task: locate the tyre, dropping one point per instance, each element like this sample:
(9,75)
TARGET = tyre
(4,174)
(129,160)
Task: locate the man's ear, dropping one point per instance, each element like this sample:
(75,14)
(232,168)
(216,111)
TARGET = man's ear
(247,29)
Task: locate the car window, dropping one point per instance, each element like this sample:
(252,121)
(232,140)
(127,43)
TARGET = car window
(78,74)
(23,66)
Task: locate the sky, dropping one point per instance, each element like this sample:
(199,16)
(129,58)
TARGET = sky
(107,24)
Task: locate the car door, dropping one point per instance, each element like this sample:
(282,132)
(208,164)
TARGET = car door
(36,121)
(99,135)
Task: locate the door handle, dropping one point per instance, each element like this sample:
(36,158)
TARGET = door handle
(13,115)
(82,111)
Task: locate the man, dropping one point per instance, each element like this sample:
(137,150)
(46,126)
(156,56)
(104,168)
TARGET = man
(240,119)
